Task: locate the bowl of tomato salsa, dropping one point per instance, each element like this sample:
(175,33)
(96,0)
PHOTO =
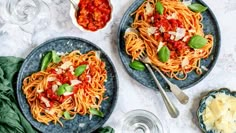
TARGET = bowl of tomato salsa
(92,15)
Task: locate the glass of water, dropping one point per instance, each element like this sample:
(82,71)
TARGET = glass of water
(28,14)
(141,121)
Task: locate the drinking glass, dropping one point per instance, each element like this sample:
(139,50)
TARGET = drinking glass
(30,15)
(141,121)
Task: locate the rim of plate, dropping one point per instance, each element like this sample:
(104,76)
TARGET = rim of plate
(132,6)
(116,92)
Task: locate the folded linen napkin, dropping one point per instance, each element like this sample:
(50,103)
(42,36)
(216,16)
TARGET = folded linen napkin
(11,119)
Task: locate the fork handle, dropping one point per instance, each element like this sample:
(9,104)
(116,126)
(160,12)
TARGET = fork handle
(179,94)
(173,111)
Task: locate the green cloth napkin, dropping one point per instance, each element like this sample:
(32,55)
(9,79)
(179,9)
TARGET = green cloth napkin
(11,119)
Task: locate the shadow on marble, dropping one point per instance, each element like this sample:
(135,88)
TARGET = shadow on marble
(195,106)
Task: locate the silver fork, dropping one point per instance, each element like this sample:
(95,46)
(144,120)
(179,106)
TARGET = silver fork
(173,111)
(179,94)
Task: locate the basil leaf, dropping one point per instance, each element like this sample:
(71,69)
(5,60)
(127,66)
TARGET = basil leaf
(106,129)
(164,54)
(68,88)
(197,7)
(94,111)
(55,57)
(46,60)
(137,65)
(80,69)
(61,90)
(197,42)
(159,8)
(66,115)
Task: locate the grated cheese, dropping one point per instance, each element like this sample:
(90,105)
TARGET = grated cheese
(172,16)
(187,2)
(151,30)
(220,114)
(160,46)
(185,62)
(149,9)
(66,65)
(46,101)
(75,82)
(180,33)
(54,87)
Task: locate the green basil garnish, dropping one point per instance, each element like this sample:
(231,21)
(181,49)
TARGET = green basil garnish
(64,88)
(51,56)
(164,54)
(197,42)
(46,60)
(159,8)
(61,90)
(197,7)
(55,57)
(68,88)
(137,65)
(94,111)
(80,69)
(66,115)
(106,129)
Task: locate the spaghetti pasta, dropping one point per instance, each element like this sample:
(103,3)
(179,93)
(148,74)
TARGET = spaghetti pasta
(150,31)
(56,90)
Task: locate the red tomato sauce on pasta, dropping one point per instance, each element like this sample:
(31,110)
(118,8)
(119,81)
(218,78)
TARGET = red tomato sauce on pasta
(93,14)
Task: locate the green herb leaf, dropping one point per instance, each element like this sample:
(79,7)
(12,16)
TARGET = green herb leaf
(197,42)
(94,111)
(46,60)
(66,115)
(55,57)
(197,7)
(61,90)
(164,54)
(137,65)
(68,88)
(159,8)
(106,129)
(80,69)
(64,88)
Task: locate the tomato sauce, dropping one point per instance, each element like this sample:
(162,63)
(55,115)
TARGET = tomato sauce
(93,14)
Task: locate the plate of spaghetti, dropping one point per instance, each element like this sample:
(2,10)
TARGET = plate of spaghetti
(181,38)
(67,84)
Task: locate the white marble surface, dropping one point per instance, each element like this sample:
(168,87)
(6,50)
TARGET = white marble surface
(132,95)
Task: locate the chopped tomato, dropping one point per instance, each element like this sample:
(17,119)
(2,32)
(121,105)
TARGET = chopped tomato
(166,36)
(93,14)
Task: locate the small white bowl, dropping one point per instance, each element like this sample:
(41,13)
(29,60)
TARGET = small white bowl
(74,19)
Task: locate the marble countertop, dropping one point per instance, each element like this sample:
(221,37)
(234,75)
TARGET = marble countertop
(16,42)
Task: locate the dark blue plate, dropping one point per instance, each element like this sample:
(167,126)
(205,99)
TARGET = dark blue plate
(80,124)
(144,77)
(202,106)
